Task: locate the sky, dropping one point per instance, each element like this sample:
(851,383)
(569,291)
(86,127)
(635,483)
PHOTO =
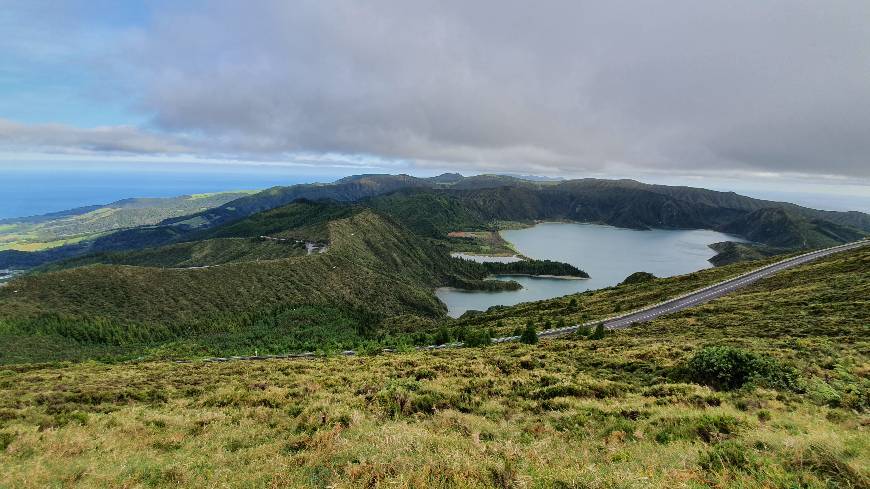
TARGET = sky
(744,93)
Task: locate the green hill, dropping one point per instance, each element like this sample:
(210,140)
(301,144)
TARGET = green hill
(374,269)
(784,228)
(731,252)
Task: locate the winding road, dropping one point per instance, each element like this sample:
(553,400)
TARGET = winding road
(706,294)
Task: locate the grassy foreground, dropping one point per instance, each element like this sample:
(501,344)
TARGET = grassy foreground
(622,411)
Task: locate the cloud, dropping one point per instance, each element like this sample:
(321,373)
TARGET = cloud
(561,86)
(54,138)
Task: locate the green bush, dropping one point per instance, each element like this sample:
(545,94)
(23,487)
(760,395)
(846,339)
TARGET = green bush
(707,427)
(598,333)
(529,336)
(442,336)
(6,439)
(729,368)
(728,454)
(481,337)
(597,390)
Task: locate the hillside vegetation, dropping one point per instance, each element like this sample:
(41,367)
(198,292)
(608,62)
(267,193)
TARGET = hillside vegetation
(767,387)
(204,253)
(223,294)
(437,212)
(732,251)
(785,229)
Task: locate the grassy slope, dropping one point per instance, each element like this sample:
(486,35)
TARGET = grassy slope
(363,244)
(565,413)
(785,228)
(374,270)
(235,242)
(217,251)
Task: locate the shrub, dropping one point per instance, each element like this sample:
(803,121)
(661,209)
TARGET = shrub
(728,455)
(481,337)
(6,439)
(74,417)
(405,397)
(709,428)
(442,336)
(598,333)
(597,390)
(529,336)
(728,368)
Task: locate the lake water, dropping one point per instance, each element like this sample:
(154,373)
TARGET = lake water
(606,253)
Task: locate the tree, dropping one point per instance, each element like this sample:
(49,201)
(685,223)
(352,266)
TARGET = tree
(598,333)
(442,336)
(478,338)
(529,335)
(561,323)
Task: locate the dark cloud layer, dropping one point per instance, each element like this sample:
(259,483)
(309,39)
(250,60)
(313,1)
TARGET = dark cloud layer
(552,86)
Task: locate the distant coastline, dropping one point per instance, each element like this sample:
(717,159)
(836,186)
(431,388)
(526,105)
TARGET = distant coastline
(39,191)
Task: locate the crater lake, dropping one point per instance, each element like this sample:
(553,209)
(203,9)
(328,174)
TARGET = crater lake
(608,254)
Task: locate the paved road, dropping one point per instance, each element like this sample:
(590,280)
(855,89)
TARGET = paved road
(709,293)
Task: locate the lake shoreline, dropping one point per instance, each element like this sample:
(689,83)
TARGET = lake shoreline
(557,277)
(608,253)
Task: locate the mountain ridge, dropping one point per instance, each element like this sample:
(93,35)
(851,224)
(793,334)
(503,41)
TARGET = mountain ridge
(625,203)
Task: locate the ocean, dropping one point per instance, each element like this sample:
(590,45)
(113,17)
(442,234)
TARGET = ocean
(40,190)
